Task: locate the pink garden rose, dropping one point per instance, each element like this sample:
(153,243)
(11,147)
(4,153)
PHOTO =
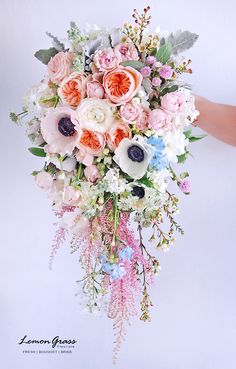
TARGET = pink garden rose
(128,51)
(166,72)
(129,112)
(92,173)
(44,180)
(71,196)
(60,66)
(107,59)
(160,121)
(122,84)
(58,129)
(95,89)
(173,102)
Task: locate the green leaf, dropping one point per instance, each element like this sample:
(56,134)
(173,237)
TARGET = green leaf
(168,90)
(147,182)
(188,133)
(182,158)
(196,138)
(164,53)
(133,63)
(44,55)
(37,151)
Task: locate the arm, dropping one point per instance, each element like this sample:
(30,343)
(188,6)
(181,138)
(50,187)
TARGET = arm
(219,120)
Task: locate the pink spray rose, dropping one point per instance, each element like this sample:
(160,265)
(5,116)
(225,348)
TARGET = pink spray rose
(156,81)
(166,72)
(128,51)
(185,186)
(95,89)
(159,120)
(173,102)
(146,71)
(44,180)
(91,173)
(84,157)
(107,59)
(60,66)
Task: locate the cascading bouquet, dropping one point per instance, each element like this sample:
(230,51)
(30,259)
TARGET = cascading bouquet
(110,118)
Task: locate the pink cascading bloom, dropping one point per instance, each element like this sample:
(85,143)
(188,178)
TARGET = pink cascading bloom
(185,186)
(60,66)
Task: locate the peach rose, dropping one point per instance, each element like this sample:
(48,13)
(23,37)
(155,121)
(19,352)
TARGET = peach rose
(121,84)
(73,89)
(93,142)
(60,66)
(115,135)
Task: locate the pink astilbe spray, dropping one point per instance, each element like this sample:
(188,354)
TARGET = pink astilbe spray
(60,234)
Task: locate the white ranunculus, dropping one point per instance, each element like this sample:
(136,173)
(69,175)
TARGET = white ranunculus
(95,114)
(175,144)
(133,156)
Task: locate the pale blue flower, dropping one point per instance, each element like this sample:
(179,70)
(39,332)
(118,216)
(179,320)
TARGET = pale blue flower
(159,160)
(126,253)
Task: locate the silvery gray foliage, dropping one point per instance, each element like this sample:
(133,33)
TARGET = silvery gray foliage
(115,36)
(44,55)
(55,42)
(181,41)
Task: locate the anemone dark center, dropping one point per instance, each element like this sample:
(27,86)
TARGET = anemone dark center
(136,153)
(138,191)
(66,127)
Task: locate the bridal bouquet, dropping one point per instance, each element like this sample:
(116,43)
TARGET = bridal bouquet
(111,119)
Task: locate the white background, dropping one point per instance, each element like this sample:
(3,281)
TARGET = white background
(194,318)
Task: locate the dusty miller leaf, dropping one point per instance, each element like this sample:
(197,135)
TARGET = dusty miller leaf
(44,55)
(181,41)
(56,43)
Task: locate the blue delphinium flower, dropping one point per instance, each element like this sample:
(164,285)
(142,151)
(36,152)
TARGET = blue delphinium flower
(115,270)
(159,160)
(126,253)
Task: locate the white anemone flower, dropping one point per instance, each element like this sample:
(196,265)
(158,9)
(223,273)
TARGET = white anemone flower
(133,156)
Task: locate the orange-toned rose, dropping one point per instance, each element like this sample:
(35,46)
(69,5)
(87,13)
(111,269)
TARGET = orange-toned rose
(93,142)
(73,89)
(117,132)
(121,84)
